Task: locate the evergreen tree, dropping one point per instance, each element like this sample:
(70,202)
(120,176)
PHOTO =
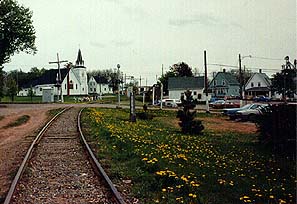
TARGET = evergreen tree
(187,122)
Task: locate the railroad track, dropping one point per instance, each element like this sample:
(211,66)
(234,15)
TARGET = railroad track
(60,167)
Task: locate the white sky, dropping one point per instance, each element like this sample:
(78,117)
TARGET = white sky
(141,35)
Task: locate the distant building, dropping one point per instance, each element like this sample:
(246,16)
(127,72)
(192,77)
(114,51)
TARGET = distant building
(259,84)
(74,80)
(99,86)
(179,85)
(224,84)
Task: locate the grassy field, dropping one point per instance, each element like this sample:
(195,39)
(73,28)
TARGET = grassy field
(165,166)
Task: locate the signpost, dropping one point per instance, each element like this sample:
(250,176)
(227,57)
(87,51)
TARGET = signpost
(132,107)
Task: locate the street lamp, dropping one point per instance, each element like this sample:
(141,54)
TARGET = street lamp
(119,99)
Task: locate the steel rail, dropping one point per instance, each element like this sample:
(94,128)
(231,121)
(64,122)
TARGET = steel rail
(98,166)
(27,157)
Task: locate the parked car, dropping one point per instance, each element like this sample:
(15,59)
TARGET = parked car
(231,112)
(251,113)
(171,102)
(261,99)
(217,102)
(224,104)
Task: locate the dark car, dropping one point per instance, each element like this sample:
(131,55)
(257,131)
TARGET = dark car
(231,112)
(261,99)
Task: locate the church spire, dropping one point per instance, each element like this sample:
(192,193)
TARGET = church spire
(79,60)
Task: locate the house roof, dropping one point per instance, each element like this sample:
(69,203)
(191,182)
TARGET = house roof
(49,77)
(185,82)
(230,78)
(263,76)
(100,80)
(227,76)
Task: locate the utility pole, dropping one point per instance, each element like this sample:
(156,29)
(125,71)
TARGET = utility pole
(240,77)
(240,80)
(206,82)
(243,79)
(59,79)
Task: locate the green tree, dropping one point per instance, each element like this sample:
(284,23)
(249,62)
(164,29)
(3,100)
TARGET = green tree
(164,80)
(12,88)
(31,93)
(180,69)
(284,82)
(187,122)
(17,33)
(1,82)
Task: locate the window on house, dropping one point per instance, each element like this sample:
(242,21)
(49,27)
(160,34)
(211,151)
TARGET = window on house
(195,93)
(215,82)
(104,89)
(259,84)
(223,82)
(252,84)
(95,89)
(40,89)
(199,96)
(91,89)
(65,86)
(76,86)
(83,89)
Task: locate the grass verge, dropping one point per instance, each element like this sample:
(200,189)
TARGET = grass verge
(165,166)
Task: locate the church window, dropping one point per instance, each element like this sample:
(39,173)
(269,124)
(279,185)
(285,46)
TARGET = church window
(91,89)
(259,84)
(65,86)
(223,82)
(71,84)
(95,89)
(252,84)
(40,89)
(83,89)
(76,86)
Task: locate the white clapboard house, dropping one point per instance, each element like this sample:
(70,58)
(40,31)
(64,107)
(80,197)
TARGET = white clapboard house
(258,84)
(99,86)
(177,86)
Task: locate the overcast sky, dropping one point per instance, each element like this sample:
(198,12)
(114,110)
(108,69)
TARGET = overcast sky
(141,35)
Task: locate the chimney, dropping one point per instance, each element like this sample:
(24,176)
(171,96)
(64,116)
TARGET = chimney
(260,70)
(224,70)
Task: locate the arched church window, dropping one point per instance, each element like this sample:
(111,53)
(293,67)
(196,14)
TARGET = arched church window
(71,84)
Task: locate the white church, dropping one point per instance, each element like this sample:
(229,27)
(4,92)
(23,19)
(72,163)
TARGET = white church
(74,81)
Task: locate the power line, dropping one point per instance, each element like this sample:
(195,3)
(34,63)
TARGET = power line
(266,58)
(234,66)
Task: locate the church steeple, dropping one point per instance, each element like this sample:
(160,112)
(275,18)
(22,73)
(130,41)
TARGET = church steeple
(79,60)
